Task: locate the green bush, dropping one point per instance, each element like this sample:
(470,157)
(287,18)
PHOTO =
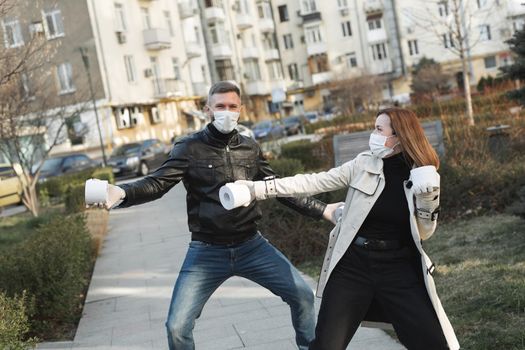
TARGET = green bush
(74,198)
(286,166)
(104,174)
(304,151)
(14,322)
(56,186)
(53,266)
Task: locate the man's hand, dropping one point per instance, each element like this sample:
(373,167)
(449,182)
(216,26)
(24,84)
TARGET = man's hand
(331,212)
(115,196)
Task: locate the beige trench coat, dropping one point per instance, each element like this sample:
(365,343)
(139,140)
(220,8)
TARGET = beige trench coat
(364,178)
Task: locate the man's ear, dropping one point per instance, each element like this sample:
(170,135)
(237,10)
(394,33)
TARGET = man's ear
(208,112)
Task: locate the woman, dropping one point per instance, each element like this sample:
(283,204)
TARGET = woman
(375,268)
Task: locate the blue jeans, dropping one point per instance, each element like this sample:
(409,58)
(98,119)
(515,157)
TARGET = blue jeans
(207,266)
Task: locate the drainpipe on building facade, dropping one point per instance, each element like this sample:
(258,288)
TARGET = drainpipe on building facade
(207,45)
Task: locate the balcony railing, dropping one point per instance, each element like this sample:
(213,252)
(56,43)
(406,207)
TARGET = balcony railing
(373,6)
(376,35)
(193,49)
(311,16)
(316,48)
(165,88)
(200,89)
(250,52)
(156,39)
(271,54)
(243,21)
(257,87)
(321,78)
(214,14)
(266,25)
(186,9)
(221,51)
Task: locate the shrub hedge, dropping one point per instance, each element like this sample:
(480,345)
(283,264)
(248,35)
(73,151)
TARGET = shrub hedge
(14,322)
(52,265)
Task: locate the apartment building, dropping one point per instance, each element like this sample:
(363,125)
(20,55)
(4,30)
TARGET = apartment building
(323,41)
(147,77)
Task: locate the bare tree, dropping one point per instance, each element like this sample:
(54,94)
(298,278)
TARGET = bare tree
(352,92)
(428,80)
(450,22)
(32,115)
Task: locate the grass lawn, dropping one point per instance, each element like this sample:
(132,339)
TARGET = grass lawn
(480,278)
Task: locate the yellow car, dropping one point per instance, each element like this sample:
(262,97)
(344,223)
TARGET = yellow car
(10,185)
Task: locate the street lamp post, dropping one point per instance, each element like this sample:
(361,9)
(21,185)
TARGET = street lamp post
(85,60)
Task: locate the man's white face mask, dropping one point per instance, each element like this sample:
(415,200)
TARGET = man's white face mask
(378,146)
(225,121)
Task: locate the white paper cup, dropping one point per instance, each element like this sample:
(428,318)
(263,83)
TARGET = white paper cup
(424,176)
(234,195)
(96,191)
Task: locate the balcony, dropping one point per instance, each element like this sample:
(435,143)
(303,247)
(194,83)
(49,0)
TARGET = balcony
(373,6)
(515,8)
(156,39)
(321,78)
(193,49)
(250,52)
(214,14)
(186,9)
(376,35)
(243,21)
(271,54)
(311,17)
(266,25)
(381,67)
(221,51)
(256,87)
(316,48)
(166,88)
(200,89)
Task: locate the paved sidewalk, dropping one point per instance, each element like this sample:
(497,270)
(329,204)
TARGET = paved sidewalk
(130,291)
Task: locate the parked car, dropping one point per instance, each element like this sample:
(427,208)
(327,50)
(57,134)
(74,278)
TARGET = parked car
(67,164)
(138,158)
(293,124)
(312,117)
(268,130)
(246,131)
(10,185)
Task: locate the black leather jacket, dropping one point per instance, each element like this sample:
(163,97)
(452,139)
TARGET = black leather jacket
(204,163)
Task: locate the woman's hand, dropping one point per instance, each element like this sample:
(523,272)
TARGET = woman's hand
(333,212)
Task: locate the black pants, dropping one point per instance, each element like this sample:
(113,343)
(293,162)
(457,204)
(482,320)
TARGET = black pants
(391,278)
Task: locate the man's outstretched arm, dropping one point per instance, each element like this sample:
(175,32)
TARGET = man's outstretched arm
(161,181)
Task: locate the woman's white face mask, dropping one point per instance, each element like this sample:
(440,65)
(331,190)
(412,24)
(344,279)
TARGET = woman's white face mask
(225,121)
(378,146)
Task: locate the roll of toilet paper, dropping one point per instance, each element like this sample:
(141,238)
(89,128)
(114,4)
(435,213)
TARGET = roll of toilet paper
(234,195)
(425,176)
(96,191)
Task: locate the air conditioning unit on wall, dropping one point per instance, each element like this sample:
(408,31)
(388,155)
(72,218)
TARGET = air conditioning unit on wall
(121,37)
(148,72)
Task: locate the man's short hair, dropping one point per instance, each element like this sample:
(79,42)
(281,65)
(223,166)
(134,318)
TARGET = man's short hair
(223,87)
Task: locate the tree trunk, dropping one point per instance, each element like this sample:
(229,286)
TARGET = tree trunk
(466,87)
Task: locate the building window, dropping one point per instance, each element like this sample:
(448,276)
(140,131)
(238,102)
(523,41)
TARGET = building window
(251,69)
(481,3)
(275,70)
(169,23)
(374,24)
(65,78)
(244,7)
(313,35)
(484,32)
(224,69)
(217,32)
(269,41)
(347,29)
(12,33)
(176,68)
(413,49)
(308,6)
(131,73)
(293,72)
(197,34)
(146,20)
(288,41)
(120,18)
(443,9)
(213,3)
(448,41)
(265,11)
(342,4)
(283,13)
(379,52)
(53,24)
(350,60)
(204,73)
(318,63)
(490,62)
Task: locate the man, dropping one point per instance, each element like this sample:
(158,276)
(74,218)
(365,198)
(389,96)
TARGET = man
(224,243)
